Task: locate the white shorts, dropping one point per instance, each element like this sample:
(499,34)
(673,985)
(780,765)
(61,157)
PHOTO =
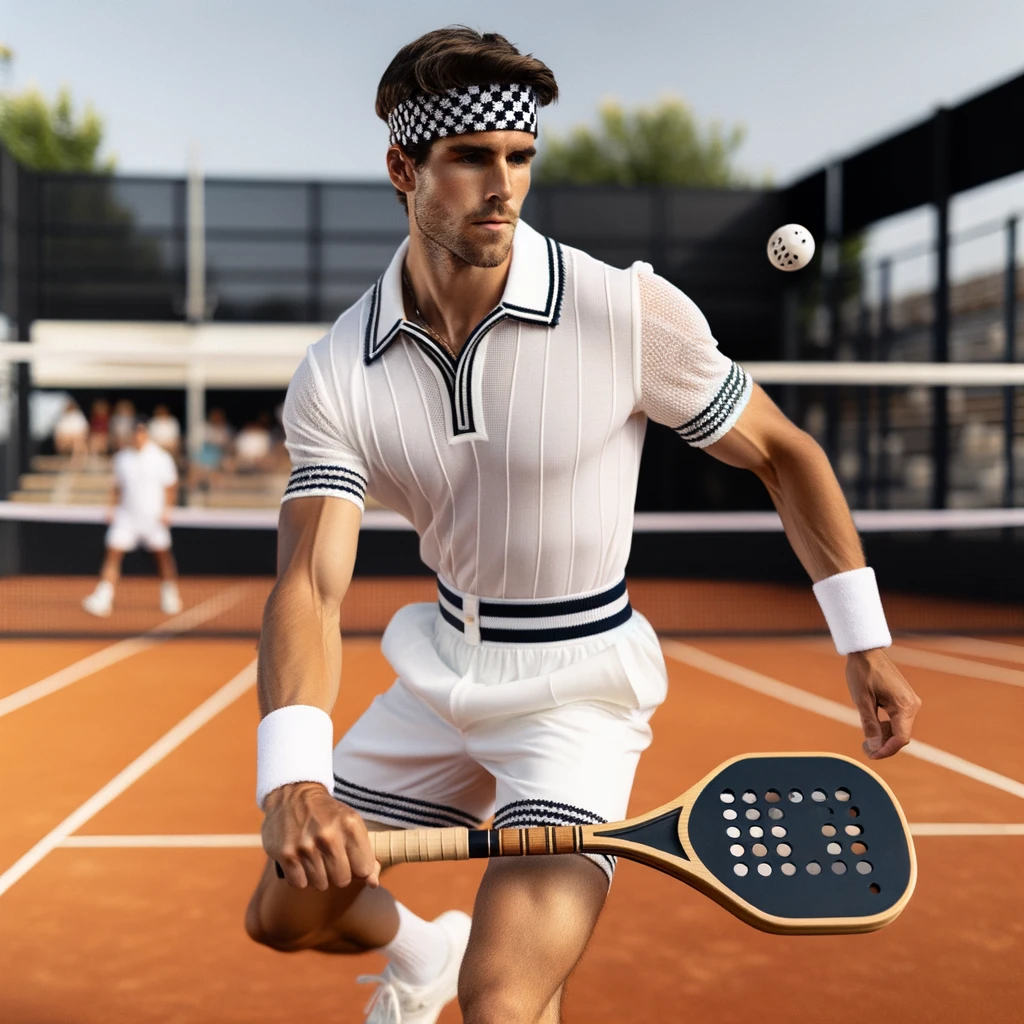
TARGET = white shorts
(535,734)
(127,532)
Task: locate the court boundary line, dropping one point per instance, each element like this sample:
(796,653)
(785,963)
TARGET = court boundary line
(827,708)
(253,840)
(122,650)
(972,645)
(951,666)
(149,758)
(918,657)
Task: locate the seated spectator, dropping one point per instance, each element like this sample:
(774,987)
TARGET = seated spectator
(252,446)
(216,448)
(122,424)
(99,427)
(165,430)
(71,432)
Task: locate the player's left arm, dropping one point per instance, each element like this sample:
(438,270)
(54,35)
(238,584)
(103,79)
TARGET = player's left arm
(820,529)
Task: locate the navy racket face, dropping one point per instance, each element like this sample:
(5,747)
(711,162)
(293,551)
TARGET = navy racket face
(812,837)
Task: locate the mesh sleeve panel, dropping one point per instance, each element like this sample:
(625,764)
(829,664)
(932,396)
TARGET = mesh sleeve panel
(324,464)
(685,382)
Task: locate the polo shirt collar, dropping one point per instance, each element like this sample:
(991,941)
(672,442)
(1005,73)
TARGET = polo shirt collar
(533,291)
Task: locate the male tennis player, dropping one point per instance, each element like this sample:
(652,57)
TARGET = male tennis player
(145,480)
(494,387)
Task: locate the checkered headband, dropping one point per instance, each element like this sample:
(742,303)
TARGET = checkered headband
(473,108)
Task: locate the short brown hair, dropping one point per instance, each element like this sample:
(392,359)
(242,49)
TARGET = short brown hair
(454,57)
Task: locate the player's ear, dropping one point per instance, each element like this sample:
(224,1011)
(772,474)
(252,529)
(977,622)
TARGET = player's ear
(401,170)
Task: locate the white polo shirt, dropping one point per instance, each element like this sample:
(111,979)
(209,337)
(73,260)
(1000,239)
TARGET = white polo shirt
(143,476)
(517,462)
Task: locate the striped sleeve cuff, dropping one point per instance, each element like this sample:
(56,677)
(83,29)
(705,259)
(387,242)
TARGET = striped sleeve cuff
(326,482)
(719,415)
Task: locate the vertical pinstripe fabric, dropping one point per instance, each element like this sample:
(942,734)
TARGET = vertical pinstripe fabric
(536,501)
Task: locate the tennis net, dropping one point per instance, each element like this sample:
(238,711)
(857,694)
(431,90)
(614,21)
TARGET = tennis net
(732,574)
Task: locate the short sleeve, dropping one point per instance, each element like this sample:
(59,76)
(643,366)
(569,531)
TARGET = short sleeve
(324,462)
(686,383)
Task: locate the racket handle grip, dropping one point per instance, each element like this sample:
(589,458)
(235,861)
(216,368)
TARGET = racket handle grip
(416,845)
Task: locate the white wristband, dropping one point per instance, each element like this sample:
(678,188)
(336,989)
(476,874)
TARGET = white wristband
(853,610)
(294,744)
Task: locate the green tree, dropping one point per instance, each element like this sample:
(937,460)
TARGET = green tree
(51,137)
(662,144)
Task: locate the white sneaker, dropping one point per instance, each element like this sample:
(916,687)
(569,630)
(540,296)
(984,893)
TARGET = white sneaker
(170,599)
(99,604)
(396,1002)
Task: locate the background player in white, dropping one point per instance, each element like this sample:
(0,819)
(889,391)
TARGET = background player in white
(494,388)
(145,484)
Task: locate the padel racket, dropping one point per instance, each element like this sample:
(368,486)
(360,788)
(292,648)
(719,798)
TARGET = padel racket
(790,843)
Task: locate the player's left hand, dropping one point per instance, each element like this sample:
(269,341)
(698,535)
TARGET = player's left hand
(165,517)
(875,682)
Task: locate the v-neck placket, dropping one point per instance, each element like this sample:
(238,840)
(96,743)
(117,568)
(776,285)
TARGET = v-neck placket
(533,295)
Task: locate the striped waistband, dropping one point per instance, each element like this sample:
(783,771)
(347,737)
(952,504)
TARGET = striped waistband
(485,620)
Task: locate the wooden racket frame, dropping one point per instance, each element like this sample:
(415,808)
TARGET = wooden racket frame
(444,844)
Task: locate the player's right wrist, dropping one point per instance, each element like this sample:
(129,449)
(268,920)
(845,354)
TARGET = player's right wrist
(294,744)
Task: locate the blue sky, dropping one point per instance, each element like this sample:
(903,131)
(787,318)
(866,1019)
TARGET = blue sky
(272,88)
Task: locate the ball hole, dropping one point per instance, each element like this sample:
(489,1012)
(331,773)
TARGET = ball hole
(773,796)
(750,797)
(788,869)
(729,814)
(778,831)
(795,796)
(875,888)
(783,849)
(853,830)
(753,814)
(727,796)
(859,848)
(818,796)
(756,831)
(864,867)
(814,868)
(740,869)
(838,867)
(732,832)
(764,869)
(828,830)
(775,813)
(834,848)
(842,795)
(759,850)
(736,850)
(853,812)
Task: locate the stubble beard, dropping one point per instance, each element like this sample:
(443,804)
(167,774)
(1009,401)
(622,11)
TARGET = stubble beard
(447,239)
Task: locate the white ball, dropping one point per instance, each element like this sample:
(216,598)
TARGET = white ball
(791,247)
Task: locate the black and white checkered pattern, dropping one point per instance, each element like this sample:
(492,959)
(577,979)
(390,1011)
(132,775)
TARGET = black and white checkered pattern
(475,108)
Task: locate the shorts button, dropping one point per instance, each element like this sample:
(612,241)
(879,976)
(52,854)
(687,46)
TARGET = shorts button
(470,618)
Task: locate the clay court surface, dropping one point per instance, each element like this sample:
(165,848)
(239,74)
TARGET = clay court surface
(129,904)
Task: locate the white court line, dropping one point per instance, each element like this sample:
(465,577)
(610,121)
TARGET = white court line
(970,645)
(92,663)
(167,743)
(966,828)
(166,842)
(955,666)
(793,695)
(240,840)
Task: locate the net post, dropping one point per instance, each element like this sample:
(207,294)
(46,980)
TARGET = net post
(940,342)
(1010,352)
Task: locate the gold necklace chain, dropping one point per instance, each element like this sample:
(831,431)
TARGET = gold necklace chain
(423,320)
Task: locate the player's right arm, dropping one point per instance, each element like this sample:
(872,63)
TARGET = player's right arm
(316,840)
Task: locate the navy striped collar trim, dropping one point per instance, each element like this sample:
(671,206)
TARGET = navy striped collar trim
(533,295)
